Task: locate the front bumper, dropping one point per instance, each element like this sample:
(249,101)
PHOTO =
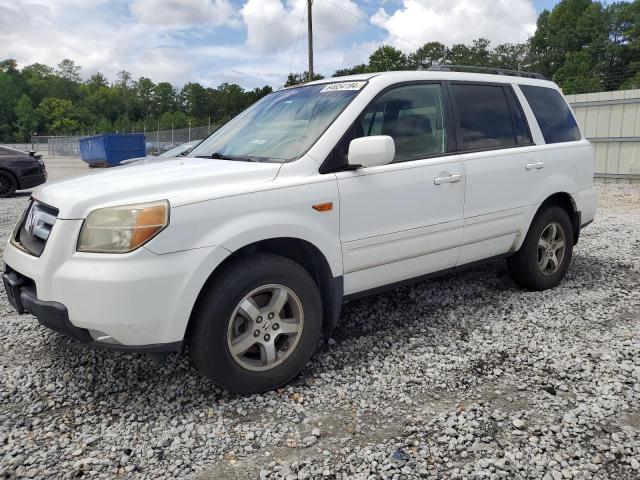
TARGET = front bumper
(54,315)
(139,301)
(30,181)
(22,296)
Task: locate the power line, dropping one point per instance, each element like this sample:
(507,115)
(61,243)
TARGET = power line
(365,20)
(295,46)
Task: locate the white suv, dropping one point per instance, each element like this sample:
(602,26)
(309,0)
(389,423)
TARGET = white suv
(315,194)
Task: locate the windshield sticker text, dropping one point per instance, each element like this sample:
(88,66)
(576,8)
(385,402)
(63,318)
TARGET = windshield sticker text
(339,87)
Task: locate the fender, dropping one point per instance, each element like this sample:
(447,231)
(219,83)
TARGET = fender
(237,221)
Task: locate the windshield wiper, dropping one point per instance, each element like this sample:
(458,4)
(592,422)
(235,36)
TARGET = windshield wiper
(222,156)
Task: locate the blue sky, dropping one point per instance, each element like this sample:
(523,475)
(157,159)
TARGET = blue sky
(250,42)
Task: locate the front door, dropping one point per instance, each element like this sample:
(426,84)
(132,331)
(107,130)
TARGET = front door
(404,219)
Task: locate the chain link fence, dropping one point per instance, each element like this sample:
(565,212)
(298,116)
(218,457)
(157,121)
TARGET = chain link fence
(155,142)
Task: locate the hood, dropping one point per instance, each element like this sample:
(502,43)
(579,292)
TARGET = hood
(180,180)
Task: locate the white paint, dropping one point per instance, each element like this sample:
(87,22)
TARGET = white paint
(371,151)
(389,223)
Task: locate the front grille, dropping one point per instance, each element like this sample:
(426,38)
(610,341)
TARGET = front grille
(35,227)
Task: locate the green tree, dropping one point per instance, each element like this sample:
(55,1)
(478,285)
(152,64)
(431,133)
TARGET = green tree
(431,53)
(123,87)
(355,70)
(103,126)
(12,86)
(477,54)
(26,119)
(257,93)
(300,78)
(164,99)
(577,74)
(572,26)
(68,70)
(386,59)
(170,120)
(513,56)
(97,80)
(58,115)
(38,70)
(144,91)
(194,100)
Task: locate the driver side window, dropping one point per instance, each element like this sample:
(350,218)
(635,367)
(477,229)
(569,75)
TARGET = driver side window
(413,115)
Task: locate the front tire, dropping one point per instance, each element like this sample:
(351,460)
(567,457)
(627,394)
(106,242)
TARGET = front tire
(545,254)
(257,324)
(8,184)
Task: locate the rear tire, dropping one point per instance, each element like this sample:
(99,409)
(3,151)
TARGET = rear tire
(8,184)
(545,254)
(257,324)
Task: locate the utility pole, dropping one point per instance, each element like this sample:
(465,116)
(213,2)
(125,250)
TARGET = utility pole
(310,38)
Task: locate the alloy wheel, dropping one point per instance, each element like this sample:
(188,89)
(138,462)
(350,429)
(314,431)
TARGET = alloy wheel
(551,249)
(265,327)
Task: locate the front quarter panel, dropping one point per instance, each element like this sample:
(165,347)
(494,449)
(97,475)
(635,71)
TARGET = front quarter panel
(281,209)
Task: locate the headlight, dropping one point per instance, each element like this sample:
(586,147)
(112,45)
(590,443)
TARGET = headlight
(124,228)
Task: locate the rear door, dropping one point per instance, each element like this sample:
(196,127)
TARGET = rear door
(404,219)
(500,161)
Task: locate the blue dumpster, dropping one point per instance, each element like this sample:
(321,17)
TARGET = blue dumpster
(110,149)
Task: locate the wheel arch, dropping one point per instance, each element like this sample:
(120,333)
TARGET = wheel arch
(303,252)
(565,201)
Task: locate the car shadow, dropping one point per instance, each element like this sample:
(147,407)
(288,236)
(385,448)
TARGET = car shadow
(111,378)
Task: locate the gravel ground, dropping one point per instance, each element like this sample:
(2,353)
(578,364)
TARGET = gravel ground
(465,376)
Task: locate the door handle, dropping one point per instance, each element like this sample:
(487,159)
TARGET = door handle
(449,179)
(534,165)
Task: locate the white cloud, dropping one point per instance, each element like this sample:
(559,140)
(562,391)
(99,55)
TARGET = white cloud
(184,12)
(101,36)
(189,40)
(457,21)
(273,26)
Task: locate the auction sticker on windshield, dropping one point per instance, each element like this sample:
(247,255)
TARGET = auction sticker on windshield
(339,87)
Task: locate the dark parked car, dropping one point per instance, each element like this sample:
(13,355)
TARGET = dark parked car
(19,171)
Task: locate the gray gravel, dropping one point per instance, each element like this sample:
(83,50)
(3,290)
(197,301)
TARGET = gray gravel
(461,377)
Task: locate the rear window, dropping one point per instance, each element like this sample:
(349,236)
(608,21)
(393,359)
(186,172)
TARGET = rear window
(484,119)
(552,113)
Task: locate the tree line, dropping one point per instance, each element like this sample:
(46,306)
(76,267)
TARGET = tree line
(39,98)
(583,45)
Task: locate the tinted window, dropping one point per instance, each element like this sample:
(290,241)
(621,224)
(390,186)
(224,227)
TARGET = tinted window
(521,129)
(412,115)
(552,113)
(484,118)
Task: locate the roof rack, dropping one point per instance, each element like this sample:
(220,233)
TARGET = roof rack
(495,71)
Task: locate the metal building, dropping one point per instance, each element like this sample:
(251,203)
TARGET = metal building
(611,121)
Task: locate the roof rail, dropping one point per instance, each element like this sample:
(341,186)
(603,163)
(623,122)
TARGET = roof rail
(495,71)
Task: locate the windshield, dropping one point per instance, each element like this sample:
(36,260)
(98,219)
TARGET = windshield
(282,126)
(180,149)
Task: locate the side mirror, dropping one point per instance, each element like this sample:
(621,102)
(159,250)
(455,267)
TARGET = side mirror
(371,151)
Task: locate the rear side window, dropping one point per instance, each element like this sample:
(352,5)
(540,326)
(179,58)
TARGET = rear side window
(484,119)
(552,113)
